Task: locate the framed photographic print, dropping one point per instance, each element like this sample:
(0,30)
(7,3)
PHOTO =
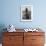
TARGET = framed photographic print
(26,13)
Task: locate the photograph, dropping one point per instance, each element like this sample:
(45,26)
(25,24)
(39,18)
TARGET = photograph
(26,12)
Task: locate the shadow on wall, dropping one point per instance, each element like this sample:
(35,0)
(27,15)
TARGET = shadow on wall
(2,26)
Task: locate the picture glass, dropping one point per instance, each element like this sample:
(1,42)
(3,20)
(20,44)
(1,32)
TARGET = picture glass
(26,13)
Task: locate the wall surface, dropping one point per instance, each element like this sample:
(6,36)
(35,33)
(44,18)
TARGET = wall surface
(10,13)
